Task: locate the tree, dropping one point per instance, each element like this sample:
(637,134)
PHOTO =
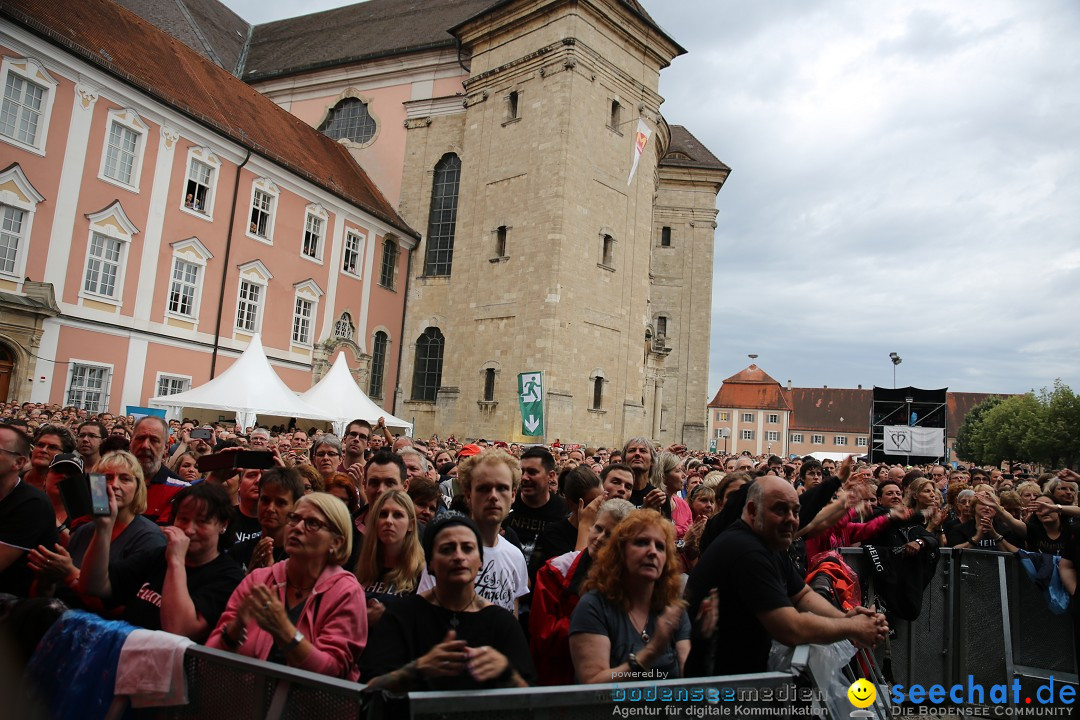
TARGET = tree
(968,444)
(1043,428)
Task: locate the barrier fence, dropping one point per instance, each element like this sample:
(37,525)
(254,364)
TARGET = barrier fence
(980,617)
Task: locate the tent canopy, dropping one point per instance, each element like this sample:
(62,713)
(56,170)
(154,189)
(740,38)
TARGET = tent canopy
(249,388)
(342,400)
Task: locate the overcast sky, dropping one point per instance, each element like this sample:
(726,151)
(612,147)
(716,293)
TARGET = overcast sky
(905,177)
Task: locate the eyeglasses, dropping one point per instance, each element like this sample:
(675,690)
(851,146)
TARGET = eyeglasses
(358,436)
(89,436)
(48,446)
(329,454)
(311,524)
(11,452)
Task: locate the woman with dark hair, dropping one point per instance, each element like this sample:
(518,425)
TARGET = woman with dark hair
(182,587)
(631,619)
(581,489)
(448,637)
(306,611)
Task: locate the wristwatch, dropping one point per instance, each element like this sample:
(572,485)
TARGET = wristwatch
(998,539)
(295,642)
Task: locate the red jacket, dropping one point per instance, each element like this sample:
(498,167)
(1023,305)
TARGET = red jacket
(334,620)
(549,619)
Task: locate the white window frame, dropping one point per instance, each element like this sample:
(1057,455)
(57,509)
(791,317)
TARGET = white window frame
(314,211)
(748,417)
(772,436)
(359,252)
(747,435)
(256,274)
(861,442)
(30,70)
(773,418)
(797,438)
(839,439)
(207,157)
(111,223)
(126,119)
(817,439)
(307,291)
(73,367)
(345,321)
(269,188)
(25,199)
(185,380)
(193,252)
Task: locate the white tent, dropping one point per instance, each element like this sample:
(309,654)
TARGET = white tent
(342,400)
(249,388)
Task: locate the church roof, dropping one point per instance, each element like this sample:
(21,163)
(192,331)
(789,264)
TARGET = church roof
(367,30)
(137,53)
(348,34)
(206,26)
(685,150)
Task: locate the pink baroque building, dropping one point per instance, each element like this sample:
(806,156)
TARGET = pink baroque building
(157,212)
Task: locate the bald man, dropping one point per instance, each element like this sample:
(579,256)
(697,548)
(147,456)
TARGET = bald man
(761,595)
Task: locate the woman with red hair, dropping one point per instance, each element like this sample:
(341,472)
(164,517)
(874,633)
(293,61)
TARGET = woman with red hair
(631,623)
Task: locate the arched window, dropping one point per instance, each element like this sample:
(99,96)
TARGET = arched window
(443,216)
(598,393)
(343,328)
(378,365)
(427,371)
(349,120)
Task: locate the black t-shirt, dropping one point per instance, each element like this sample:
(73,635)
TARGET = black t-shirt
(530,523)
(412,626)
(137,583)
(26,521)
(241,552)
(965,532)
(241,527)
(557,539)
(1039,541)
(751,579)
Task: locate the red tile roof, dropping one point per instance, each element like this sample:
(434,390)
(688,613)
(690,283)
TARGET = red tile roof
(831,409)
(751,388)
(131,49)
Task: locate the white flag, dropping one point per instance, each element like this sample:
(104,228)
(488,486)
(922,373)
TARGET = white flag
(641,139)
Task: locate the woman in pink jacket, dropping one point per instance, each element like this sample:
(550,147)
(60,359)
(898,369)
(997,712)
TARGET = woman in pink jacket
(307,611)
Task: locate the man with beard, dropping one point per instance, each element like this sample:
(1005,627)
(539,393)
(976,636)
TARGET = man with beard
(760,596)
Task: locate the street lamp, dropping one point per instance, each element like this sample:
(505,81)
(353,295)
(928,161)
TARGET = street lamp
(896,360)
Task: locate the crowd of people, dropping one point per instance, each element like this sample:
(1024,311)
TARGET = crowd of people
(413,564)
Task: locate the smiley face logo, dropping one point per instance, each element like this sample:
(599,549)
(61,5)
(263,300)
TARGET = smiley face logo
(862,693)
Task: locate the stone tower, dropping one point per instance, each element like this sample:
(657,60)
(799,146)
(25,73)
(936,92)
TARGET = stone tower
(551,247)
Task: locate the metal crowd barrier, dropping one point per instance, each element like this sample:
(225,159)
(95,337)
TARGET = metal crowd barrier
(981,616)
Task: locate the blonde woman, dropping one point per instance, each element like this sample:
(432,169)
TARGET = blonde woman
(391,558)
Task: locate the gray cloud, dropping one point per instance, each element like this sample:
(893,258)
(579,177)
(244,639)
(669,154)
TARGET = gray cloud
(904,179)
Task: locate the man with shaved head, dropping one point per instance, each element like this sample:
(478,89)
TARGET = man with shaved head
(760,595)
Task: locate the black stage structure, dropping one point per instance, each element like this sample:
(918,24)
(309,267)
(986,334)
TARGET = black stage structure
(915,407)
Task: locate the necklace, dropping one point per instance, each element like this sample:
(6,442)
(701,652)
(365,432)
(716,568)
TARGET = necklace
(644,626)
(454,622)
(296,589)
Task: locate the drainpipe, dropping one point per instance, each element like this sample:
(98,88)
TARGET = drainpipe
(225,267)
(401,337)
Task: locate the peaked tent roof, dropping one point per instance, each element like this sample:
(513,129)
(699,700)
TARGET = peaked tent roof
(250,388)
(342,400)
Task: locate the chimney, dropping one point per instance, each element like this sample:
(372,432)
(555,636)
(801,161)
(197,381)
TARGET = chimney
(825,386)
(788,384)
(860,387)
